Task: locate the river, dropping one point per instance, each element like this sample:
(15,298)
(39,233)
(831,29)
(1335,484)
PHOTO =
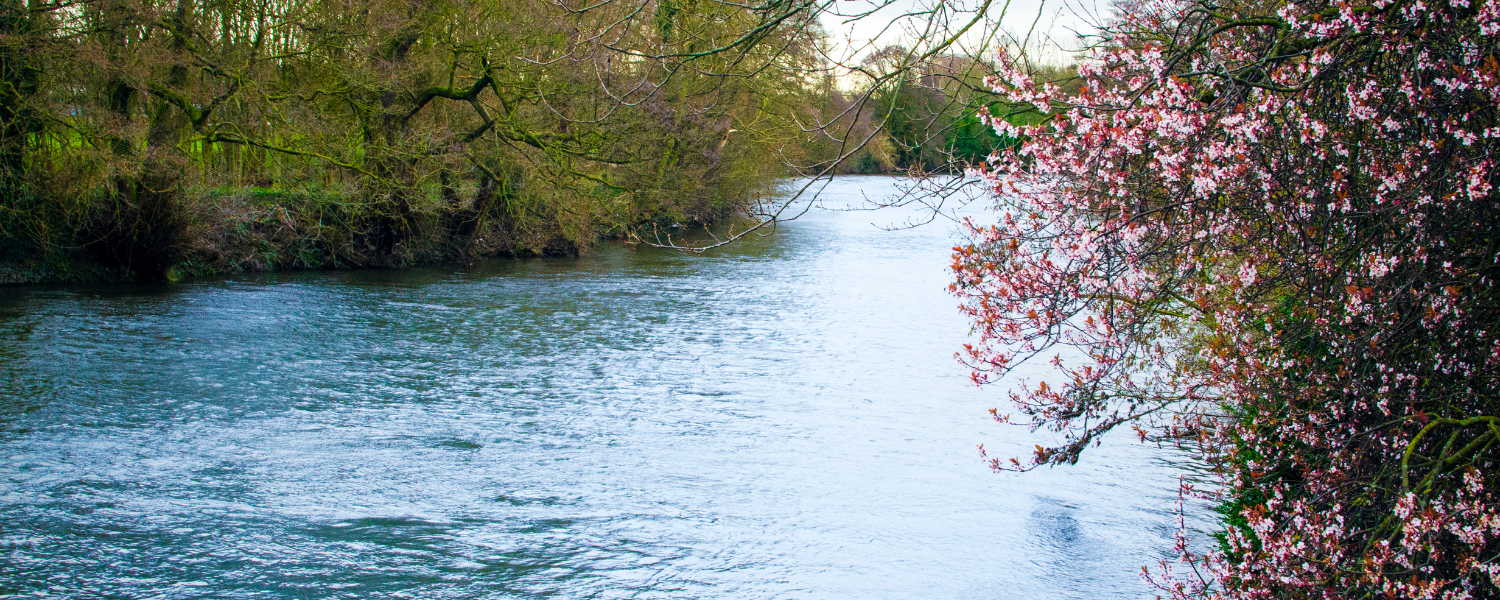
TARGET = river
(781,418)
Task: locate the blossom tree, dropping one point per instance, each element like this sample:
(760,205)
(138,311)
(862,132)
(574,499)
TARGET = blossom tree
(1269,230)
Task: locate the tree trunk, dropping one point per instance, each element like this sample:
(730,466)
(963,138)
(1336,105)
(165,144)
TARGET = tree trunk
(144,228)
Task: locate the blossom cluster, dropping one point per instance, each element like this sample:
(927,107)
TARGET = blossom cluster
(1269,230)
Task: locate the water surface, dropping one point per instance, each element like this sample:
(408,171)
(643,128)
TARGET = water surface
(783,418)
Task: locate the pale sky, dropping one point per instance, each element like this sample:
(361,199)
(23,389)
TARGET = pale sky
(1053,37)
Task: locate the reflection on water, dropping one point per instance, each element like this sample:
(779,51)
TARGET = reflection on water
(781,418)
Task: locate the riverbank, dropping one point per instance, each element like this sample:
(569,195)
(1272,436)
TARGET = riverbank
(258,230)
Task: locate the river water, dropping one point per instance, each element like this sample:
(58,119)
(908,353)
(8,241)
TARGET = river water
(782,418)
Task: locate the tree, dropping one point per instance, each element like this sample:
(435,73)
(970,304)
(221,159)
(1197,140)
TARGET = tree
(387,132)
(1268,231)
(158,136)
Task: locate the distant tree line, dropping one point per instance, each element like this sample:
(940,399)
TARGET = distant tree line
(929,118)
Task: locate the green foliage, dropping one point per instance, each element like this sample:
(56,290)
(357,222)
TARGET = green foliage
(927,119)
(970,141)
(195,136)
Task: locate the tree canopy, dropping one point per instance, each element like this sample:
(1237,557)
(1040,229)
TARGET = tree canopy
(385,132)
(155,137)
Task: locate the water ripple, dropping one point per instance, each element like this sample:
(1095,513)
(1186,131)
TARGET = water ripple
(783,419)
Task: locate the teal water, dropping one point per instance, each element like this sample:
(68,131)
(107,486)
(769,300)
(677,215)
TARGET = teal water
(782,418)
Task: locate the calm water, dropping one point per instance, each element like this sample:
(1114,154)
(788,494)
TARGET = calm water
(781,419)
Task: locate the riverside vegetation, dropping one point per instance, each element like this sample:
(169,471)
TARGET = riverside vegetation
(155,140)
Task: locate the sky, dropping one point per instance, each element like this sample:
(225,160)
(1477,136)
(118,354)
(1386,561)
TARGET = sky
(1053,24)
